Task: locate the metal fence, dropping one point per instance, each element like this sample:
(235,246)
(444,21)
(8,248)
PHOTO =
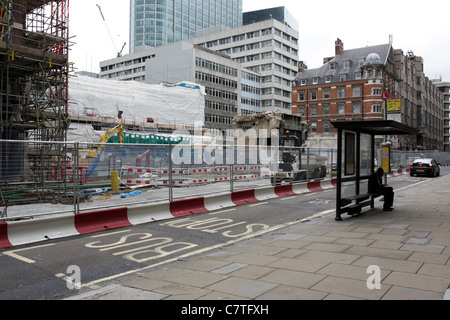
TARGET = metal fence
(42,178)
(403,159)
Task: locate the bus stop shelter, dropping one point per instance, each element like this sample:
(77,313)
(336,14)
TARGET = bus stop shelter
(356,160)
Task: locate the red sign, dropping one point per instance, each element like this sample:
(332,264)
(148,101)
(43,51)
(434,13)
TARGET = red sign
(385,95)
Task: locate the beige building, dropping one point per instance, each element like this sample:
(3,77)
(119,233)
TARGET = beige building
(269,48)
(422,102)
(444,87)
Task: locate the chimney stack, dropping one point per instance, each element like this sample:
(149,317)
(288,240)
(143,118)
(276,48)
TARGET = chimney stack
(339,46)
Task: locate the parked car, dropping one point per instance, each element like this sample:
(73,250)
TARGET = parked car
(427,167)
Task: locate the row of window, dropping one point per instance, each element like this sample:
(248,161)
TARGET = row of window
(343,77)
(326,93)
(250,89)
(326,125)
(126,63)
(326,111)
(221,94)
(250,77)
(201,76)
(212,105)
(251,102)
(212,118)
(216,67)
(265,44)
(251,35)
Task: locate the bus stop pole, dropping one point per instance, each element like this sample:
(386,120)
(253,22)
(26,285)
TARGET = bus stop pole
(339,176)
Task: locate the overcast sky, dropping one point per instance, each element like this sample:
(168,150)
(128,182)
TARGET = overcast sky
(416,25)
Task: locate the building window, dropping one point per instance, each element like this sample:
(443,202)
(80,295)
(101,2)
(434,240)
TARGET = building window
(303,82)
(315,80)
(343,77)
(332,65)
(301,111)
(341,92)
(327,79)
(358,76)
(361,62)
(313,95)
(301,96)
(341,108)
(376,91)
(314,111)
(326,93)
(326,109)
(356,91)
(376,108)
(356,107)
(314,127)
(346,64)
(326,127)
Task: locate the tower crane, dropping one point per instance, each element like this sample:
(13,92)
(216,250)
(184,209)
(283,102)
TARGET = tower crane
(119,53)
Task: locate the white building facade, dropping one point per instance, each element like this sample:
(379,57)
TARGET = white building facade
(269,48)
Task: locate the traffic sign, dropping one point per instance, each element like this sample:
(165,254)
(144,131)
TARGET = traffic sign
(385,95)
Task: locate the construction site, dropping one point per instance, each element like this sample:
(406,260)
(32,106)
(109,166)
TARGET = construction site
(67,138)
(40,160)
(34,67)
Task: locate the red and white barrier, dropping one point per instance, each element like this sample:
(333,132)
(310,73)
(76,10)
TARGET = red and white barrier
(41,229)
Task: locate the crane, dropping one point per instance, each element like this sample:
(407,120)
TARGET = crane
(119,53)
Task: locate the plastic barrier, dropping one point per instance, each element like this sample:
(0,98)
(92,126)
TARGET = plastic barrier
(93,221)
(41,229)
(180,208)
(328,184)
(314,186)
(149,213)
(284,190)
(265,193)
(300,188)
(218,202)
(4,242)
(243,197)
(29,231)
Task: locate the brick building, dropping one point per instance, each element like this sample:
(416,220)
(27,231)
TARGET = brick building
(349,86)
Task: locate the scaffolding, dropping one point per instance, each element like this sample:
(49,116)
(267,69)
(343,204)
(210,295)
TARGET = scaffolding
(34,74)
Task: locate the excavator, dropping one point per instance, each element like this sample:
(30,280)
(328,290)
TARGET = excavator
(118,130)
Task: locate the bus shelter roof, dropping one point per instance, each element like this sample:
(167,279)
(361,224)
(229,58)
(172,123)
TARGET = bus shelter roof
(376,127)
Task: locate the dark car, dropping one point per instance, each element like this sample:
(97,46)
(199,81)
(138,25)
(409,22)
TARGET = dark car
(427,167)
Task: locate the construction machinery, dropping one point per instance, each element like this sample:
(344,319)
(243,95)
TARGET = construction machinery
(292,163)
(117,131)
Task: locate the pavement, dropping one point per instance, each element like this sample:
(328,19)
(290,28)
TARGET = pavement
(377,255)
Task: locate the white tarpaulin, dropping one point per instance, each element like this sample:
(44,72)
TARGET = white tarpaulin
(80,132)
(182,104)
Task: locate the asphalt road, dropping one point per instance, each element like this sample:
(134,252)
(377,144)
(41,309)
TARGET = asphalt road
(62,268)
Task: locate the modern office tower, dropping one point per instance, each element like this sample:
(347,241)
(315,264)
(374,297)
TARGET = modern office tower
(268,47)
(155,23)
(278,13)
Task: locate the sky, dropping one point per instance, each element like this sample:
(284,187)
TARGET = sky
(422,27)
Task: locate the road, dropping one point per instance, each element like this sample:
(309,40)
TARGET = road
(49,270)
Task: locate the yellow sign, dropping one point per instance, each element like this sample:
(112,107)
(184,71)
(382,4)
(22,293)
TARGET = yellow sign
(394,105)
(385,158)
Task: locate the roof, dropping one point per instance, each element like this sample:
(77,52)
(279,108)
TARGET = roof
(352,55)
(376,127)
(426,160)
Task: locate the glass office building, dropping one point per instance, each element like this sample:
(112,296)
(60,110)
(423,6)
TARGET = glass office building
(159,22)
